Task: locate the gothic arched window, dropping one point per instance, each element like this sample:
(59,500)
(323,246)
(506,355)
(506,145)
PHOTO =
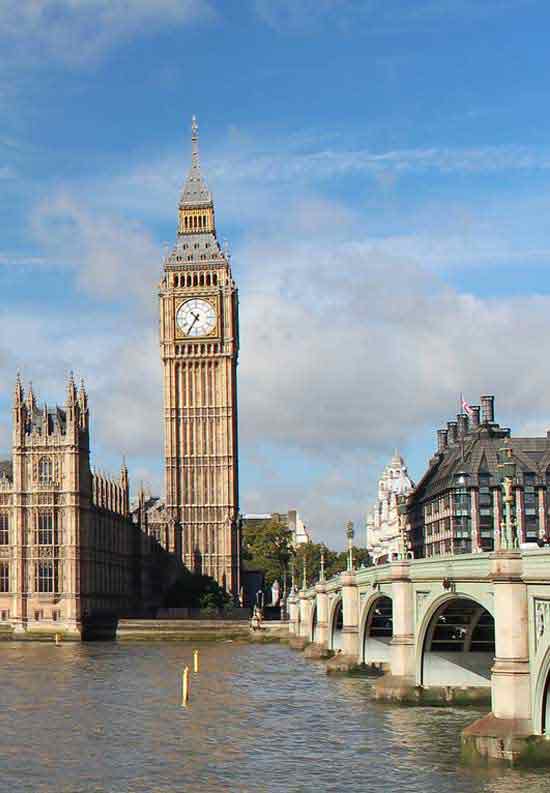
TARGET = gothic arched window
(45,470)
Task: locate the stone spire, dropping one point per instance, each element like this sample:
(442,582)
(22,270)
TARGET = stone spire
(31,400)
(195,192)
(19,395)
(71,391)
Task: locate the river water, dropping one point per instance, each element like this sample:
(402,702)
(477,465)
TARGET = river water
(106,718)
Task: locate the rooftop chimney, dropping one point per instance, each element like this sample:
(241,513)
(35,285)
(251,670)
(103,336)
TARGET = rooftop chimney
(474,418)
(462,424)
(441,440)
(487,409)
(452,432)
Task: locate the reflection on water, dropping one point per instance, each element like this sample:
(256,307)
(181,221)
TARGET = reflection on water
(106,718)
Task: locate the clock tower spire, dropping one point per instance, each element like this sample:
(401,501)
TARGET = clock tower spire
(199,348)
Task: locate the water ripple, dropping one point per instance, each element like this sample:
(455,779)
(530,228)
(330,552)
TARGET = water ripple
(106,718)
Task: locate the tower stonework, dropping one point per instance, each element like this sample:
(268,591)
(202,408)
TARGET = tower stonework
(199,348)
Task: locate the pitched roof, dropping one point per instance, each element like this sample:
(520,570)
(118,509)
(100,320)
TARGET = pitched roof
(477,454)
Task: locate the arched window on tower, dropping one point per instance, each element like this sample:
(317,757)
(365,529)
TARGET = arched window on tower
(45,471)
(215,279)
(195,280)
(202,279)
(207,279)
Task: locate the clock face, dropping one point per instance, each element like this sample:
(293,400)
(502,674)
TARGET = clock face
(196,317)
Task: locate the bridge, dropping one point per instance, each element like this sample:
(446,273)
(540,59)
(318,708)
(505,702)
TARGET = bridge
(457,629)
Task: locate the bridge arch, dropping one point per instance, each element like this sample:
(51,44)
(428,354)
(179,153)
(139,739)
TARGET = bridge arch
(336,624)
(376,629)
(456,642)
(541,704)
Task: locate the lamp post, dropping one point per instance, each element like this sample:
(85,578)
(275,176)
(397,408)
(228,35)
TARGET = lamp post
(402,513)
(350,535)
(322,569)
(304,580)
(508,539)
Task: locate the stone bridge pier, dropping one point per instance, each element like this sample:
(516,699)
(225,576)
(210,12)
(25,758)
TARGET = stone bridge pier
(445,630)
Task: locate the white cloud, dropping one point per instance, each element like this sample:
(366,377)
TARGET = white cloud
(350,344)
(118,358)
(79,30)
(113,258)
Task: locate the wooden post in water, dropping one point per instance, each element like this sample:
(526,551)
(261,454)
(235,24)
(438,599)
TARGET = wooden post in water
(185,687)
(57,641)
(195,660)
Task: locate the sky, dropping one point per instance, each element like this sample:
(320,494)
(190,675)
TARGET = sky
(381,171)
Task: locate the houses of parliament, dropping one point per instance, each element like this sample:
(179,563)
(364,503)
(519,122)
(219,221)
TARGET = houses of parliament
(71,547)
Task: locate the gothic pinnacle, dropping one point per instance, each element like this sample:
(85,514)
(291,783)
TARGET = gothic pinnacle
(19,394)
(71,389)
(31,401)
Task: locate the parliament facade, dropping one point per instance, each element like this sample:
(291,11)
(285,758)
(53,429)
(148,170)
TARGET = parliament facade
(68,549)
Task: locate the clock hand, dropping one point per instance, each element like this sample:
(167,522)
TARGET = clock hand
(191,325)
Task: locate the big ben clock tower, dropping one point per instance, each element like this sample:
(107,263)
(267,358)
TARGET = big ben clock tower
(199,347)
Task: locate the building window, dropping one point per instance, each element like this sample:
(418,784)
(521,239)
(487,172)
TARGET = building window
(4,576)
(4,528)
(45,471)
(46,529)
(46,576)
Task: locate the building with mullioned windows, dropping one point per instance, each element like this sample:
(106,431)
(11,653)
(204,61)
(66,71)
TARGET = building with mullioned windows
(68,548)
(457,507)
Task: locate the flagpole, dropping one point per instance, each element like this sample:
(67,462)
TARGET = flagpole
(460,411)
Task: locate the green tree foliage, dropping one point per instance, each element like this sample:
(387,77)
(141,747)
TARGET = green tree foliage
(192,590)
(335,562)
(267,546)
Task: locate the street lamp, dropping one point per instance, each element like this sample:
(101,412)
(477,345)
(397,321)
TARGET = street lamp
(304,581)
(322,570)
(350,535)
(508,539)
(402,512)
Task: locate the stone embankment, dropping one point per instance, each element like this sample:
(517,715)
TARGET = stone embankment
(182,630)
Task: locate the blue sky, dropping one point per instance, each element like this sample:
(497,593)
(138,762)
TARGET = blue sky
(382,173)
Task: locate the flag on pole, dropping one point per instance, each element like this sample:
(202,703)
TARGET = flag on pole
(466,407)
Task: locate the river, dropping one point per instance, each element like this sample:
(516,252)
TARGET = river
(107,718)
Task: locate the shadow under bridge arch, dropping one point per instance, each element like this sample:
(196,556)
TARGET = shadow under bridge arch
(336,624)
(377,631)
(459,645)
(314,626)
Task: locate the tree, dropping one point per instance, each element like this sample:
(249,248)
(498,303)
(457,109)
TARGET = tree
(193,590)
(335,562)
(267,546)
